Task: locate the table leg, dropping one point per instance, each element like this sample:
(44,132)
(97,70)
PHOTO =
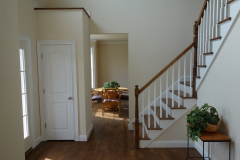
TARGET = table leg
(229,150)
(203,150)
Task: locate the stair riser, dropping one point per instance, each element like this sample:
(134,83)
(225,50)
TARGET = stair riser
(187,88)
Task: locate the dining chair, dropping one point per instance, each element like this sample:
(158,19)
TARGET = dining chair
(110,99)
(95,96)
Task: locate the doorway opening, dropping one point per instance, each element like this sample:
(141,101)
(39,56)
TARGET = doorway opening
(109,68)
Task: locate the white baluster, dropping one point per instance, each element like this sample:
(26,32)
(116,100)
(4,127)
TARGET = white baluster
(206,26)
(203,34)
(217,17)
(199,47)
(155,104)
(143,114)
(179,83)
(221,11)
(149,107)
(160,96)
(191,66)
(173,85)
(184,77)
(167,94)
(210,25)
(225,9)
(213,18)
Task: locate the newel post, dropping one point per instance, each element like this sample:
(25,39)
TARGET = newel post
(195,40)
(136,118)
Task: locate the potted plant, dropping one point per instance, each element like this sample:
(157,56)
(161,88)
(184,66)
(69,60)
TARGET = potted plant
(112,84)
(204,119)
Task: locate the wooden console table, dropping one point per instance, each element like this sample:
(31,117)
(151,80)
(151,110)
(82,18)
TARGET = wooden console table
(211,137)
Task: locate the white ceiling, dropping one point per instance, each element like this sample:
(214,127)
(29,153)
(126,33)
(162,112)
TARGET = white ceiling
(110,37)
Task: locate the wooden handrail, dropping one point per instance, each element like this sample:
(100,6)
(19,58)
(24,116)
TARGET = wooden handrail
(201,13)
(63,9)
(167,67)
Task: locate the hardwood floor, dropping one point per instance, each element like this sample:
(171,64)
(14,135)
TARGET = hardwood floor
(110,140)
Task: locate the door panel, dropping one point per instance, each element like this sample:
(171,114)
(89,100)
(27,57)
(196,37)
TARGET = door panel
(57,70)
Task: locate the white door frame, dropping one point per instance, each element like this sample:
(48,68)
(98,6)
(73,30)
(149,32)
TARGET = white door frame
(40,44)
(29,84)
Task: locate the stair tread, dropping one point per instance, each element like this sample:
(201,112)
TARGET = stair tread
(163,113)
(216,38)
(230,1)
(204,66)
(187,83)
(170,104)
(151,123)
(209,53)
(140,132)
(227,19)
(182,94)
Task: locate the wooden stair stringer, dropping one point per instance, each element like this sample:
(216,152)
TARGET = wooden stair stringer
(166,124)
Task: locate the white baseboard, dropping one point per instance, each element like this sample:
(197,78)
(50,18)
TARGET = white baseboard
(170,144)
(85,137)
(200,149)
(37,141)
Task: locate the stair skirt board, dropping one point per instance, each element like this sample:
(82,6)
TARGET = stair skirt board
(224,30)
(130,126)
(171,144)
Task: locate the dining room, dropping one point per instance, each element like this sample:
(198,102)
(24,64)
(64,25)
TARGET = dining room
(109,76)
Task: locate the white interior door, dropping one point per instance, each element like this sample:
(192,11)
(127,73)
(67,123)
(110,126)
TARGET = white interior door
(25,98)
(58,86)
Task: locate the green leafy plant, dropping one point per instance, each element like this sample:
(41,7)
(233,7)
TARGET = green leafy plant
(198,119)
(112,84)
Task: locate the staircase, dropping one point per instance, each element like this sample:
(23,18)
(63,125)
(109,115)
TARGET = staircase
(167,97)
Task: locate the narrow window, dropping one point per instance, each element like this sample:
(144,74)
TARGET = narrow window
(24,93)
(92,67)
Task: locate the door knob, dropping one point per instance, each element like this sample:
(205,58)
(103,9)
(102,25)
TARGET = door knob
(70,98)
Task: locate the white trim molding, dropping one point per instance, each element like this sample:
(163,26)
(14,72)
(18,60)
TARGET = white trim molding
(171,144)
(113,42)
(40,44)
(85,137)
(38,140)
(31,112)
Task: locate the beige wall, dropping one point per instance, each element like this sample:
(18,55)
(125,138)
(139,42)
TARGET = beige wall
(157,31)
(42,3)
(221,89)
(113,64)
(68,25)
(11,122)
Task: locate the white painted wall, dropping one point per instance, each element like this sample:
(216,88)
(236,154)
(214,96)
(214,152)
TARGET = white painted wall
(157,31)
(113,64)
(221,89)
(11,122)
(72,25)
